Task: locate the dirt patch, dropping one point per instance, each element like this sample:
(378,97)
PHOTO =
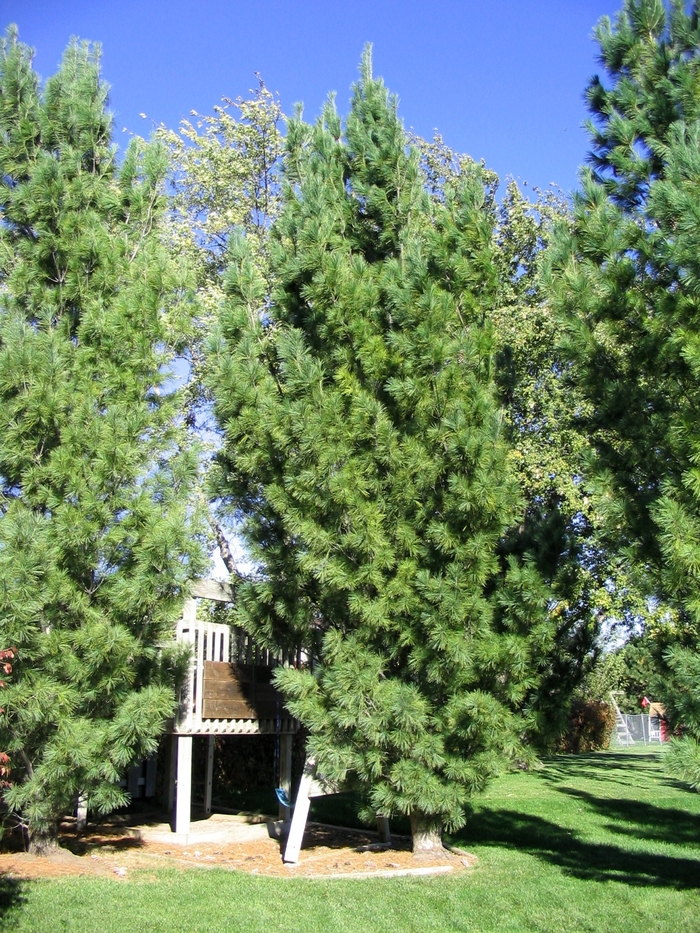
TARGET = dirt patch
(327,852)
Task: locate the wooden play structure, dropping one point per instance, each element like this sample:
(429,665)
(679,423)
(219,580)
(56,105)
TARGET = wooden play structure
(228,691)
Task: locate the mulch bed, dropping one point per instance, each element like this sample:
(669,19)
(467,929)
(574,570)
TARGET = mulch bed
(327,852)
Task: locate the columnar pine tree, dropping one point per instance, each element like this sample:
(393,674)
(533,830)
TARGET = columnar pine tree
(626,280)
(95,530)
(589,583)
(363,450)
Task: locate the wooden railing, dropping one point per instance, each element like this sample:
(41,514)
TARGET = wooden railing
(227,665)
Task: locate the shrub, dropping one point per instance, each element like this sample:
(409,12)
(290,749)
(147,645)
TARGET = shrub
(591,723)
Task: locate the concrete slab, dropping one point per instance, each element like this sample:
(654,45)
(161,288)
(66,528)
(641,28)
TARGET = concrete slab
(220,827)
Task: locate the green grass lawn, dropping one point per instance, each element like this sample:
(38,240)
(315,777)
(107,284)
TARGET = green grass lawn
(604,843)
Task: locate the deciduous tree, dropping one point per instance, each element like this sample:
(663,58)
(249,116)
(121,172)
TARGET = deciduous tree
(223,178)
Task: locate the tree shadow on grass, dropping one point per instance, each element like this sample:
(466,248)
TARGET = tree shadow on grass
(11,896)
(605,761)
(632,769)
(642,820)
(600,766)
(585,860)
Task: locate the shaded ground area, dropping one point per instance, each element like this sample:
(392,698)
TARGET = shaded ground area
(117,848)
(582,858)
(603,817)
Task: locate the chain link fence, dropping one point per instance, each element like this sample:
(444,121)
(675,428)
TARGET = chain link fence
(638,729)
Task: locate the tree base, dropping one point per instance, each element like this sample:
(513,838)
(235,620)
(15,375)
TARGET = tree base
(43,843)
(426,833)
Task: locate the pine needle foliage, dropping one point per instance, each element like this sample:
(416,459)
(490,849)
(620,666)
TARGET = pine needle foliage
(96,535)
(363,452)
(589,584)
(625,279)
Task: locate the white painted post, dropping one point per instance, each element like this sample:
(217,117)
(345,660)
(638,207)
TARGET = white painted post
(209,779)
(301,813)
(199,674)
(184,784)
(81,813)
(185,634)
(285,775)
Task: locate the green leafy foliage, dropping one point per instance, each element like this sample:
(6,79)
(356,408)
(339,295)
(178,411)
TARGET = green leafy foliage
(590,587)
(223,178)
(97,538)
(363,451)
(546,454)
(640,667)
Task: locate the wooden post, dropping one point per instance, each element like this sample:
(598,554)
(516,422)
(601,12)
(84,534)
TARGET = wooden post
(199,674)
(209,778)
(170,770)
(151,772)
(184,784)
(81,813)
(132,781)
(285,775)
(301,813)
(383,830)
(186,635)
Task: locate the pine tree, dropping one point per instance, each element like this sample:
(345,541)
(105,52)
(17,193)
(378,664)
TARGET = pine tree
(96,539)
(589,585)
(625,278)
(363,451)
(546,453)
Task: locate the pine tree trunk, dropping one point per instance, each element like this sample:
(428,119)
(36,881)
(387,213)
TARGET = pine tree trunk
(81,813)
(43,841)
(427,834)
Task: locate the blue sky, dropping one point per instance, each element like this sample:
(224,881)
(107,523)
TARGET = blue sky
(503,81)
